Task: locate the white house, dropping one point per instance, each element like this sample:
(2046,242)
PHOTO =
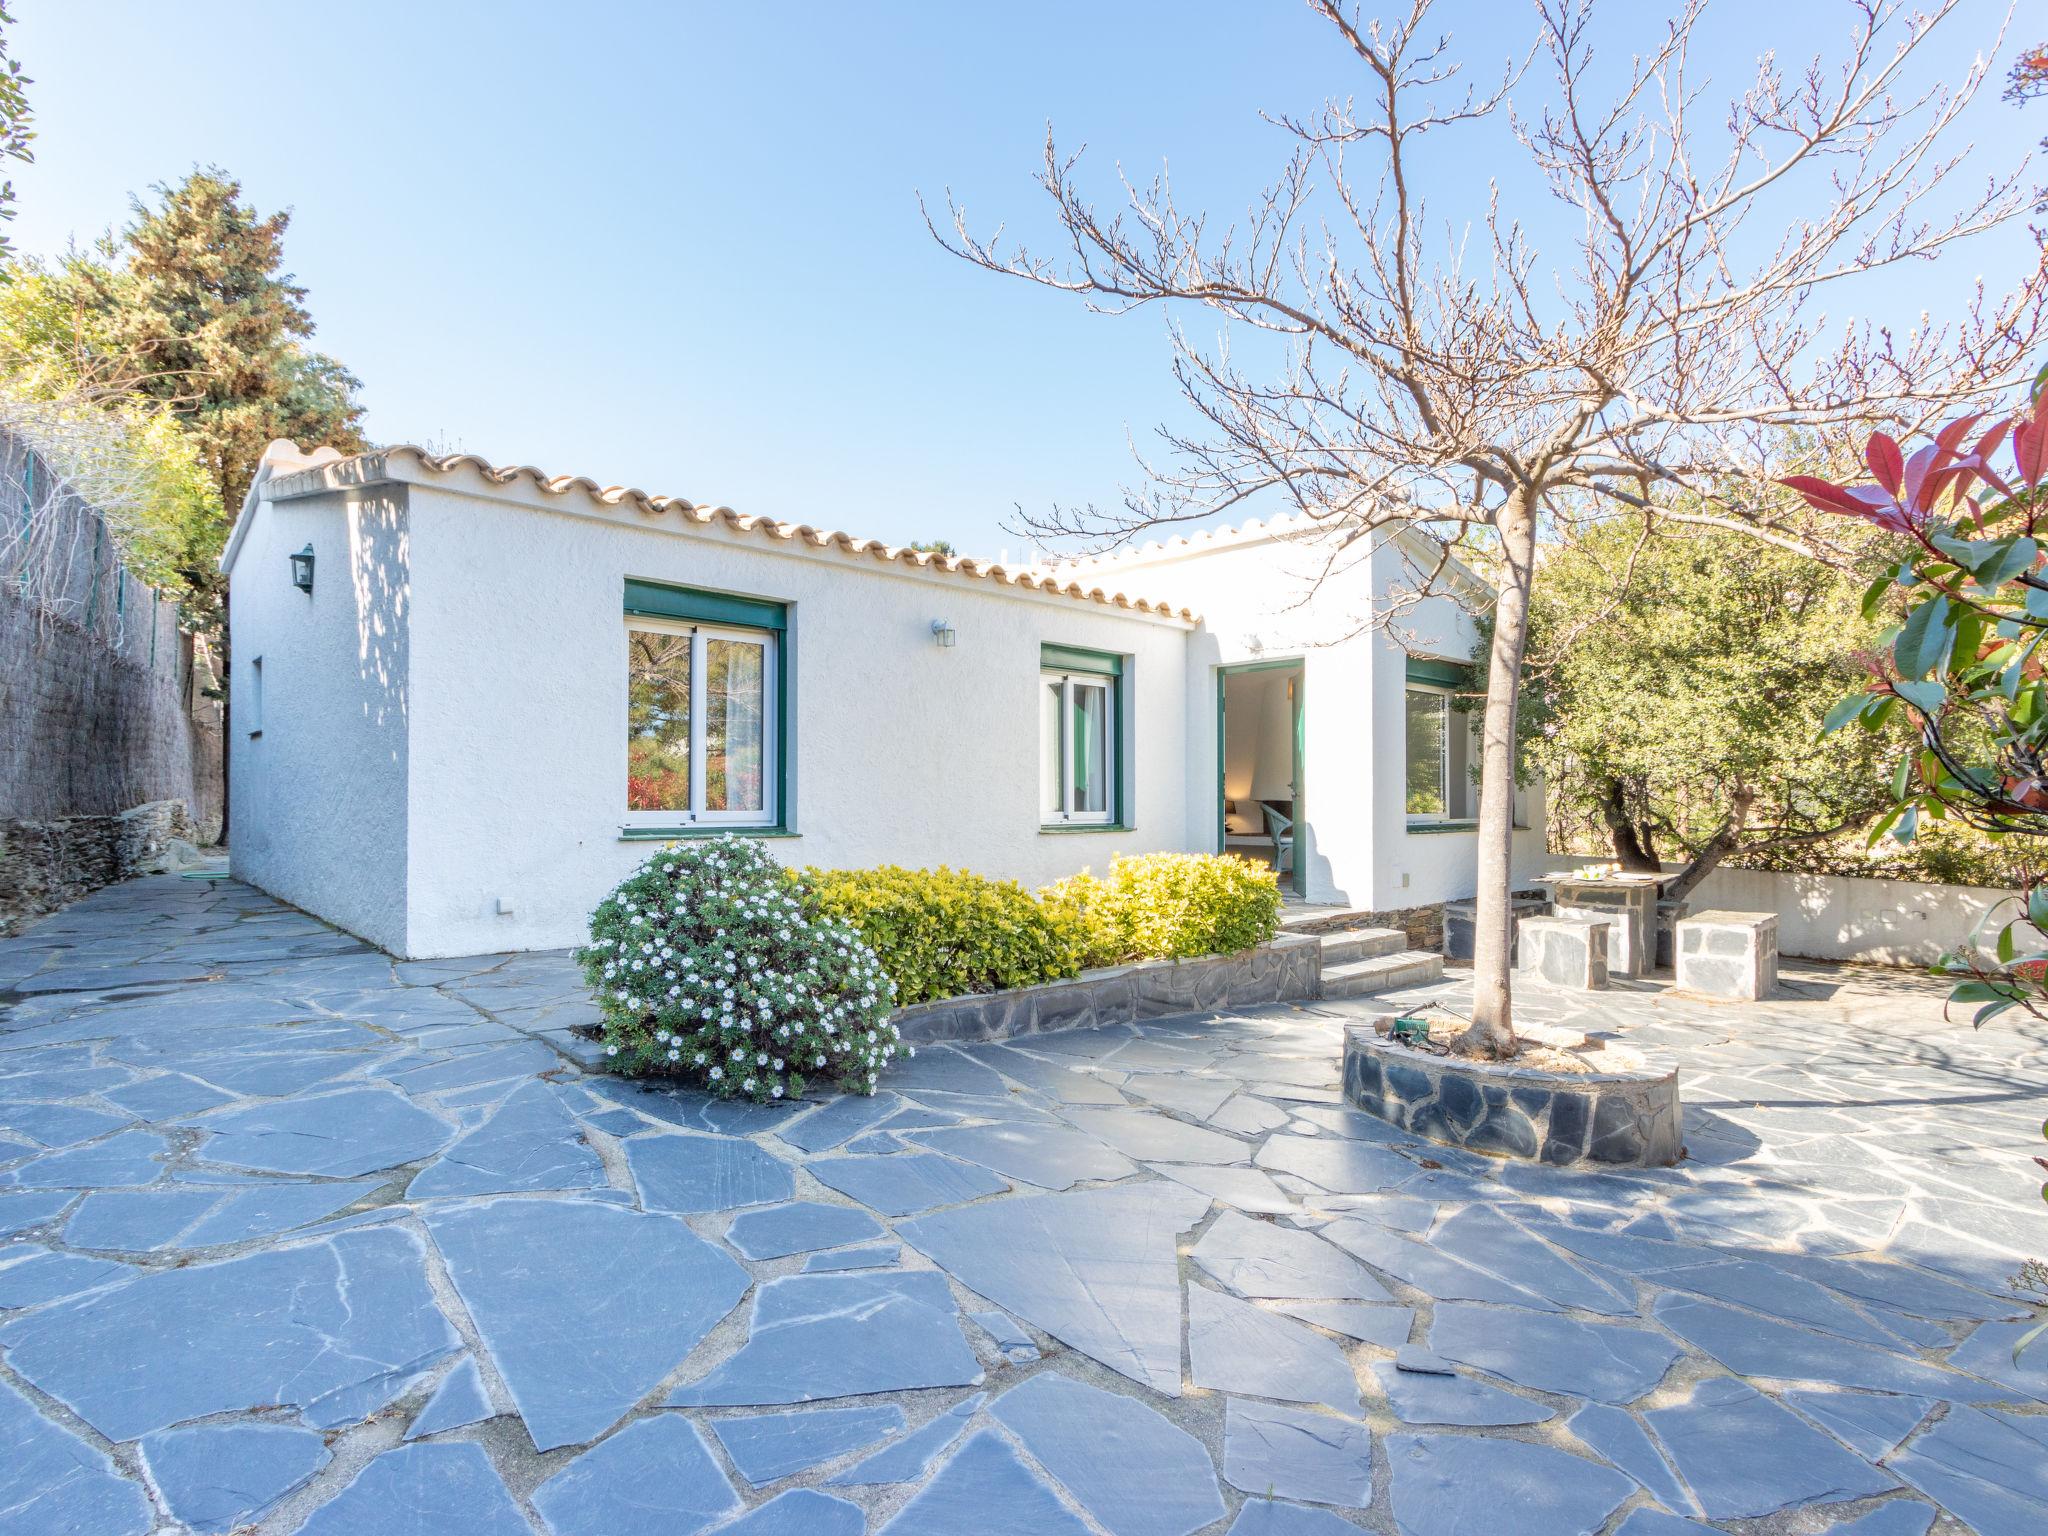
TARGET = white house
(466,698)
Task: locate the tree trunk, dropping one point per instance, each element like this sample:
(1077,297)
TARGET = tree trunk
(1493,1023)
(1717,847)
(1633,847)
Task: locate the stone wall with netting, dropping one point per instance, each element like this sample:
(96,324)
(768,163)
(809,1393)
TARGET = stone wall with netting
(103,693)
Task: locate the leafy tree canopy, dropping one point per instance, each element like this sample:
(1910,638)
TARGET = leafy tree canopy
(1685,678)
(63,381)
(15,117)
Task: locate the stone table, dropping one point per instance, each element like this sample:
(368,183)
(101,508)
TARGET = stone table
(1627,901)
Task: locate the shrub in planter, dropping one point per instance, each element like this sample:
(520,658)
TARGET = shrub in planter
(1084,908)
(946,932)
(713,964)
(1173,906)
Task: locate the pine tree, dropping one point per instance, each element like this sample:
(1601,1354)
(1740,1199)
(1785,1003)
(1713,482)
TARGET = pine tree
(217,329)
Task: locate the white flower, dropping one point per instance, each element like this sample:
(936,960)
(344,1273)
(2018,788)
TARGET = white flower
(716,1073)
(775,1092)
(748,1085)
(674,1054)
(611,1050)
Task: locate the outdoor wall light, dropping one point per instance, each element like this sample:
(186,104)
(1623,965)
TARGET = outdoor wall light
(944,633)
(302,569)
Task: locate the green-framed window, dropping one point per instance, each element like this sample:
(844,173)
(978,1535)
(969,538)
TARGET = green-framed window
(706,709)
(1081,724)
(1442,744)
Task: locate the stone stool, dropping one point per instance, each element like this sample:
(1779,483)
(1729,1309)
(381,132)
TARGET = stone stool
(1461,922)
(1729,954)
(1569,951)
(1624,954)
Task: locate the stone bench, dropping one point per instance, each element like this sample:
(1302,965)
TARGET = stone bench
(1567,951)
(1729,954)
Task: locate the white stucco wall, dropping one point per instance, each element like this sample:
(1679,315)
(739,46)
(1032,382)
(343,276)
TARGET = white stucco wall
(1832,917)
(1264,598)
(902,751)
(1420,867)
(319,797)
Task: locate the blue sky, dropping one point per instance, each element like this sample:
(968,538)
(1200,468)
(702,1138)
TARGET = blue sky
(678,246)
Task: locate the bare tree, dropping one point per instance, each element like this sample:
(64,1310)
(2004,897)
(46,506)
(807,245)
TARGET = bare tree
(1671,344)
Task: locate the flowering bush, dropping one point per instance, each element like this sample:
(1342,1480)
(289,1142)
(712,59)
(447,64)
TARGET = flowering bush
(713,963)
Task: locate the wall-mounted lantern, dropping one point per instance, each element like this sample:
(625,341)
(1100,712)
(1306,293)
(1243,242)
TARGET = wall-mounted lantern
(302,569)
(944,633)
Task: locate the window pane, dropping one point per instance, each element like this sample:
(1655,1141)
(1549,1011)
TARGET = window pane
(1091,747)
(1049,748)
(657,721)
(1425,753)
(735,724)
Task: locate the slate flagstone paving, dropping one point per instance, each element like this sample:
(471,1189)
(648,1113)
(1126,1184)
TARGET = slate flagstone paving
(298,1239)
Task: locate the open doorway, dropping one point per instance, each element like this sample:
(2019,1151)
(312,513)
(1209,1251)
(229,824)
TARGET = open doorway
(1260,799)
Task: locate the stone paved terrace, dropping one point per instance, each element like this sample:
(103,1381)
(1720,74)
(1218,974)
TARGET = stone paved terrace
(306,1240)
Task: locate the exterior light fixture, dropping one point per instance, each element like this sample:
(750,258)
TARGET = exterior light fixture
(944,633)
(302,570)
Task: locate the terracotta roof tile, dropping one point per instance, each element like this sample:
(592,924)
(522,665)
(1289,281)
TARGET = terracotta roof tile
(294,466)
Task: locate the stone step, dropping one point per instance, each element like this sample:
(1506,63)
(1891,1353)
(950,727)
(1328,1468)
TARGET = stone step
(1383,973)
(1360,944)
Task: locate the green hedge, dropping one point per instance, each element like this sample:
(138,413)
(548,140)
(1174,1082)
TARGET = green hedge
(1172,906)
(946,932)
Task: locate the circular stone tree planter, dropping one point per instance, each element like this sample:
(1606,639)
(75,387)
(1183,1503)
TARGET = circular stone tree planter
(1627,1116)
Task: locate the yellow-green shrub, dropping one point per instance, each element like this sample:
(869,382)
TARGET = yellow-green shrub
(1081,905)
(946,932)
(1176,906)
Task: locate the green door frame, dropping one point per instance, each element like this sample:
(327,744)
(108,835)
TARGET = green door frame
(1291,664)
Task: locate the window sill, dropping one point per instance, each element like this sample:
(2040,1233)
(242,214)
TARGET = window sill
(1069,829)
(1428,828)
(685,834)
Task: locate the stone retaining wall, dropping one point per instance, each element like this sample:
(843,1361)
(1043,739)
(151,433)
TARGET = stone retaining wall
(1424,925)
(1626,1118)
(1290,967)
(46,864)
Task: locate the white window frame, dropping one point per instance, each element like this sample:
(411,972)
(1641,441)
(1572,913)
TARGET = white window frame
(698,815)
(1062,812)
